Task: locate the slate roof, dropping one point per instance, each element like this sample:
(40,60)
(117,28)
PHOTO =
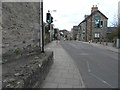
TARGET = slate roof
(111,29)
(92,15)
(75,27)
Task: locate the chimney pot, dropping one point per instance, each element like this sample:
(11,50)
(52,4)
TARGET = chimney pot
(94,8)
(86,16)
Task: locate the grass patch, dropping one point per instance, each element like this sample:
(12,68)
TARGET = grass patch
(17,52)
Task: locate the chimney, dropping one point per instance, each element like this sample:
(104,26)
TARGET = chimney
(94,8)
(86,16)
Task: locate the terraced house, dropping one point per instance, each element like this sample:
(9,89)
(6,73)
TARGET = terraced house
(94,26)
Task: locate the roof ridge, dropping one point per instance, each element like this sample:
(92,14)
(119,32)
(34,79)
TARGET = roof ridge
(93,14)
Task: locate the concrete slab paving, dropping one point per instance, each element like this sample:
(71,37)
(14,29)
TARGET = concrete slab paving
(64,86)
(63,73)
(111,48)
(50,85)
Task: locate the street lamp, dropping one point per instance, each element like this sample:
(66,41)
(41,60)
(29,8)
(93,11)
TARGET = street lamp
(41,26)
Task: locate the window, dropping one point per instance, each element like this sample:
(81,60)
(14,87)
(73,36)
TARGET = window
(97,35)
(83,32)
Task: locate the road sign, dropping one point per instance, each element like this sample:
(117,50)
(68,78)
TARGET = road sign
(45,36)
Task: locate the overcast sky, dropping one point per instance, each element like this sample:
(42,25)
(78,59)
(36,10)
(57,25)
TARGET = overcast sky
(71,12)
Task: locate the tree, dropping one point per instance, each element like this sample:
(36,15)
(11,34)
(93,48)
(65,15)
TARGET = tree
(115,34)
(56,30)
(114,23)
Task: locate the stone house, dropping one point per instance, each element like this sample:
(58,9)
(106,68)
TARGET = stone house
(94,26)
(74,32)
(64,33)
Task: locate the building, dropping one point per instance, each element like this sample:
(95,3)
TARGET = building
(94,26)
(74,32)
(64,33)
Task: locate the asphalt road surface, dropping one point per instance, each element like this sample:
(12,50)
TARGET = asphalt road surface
(98,67)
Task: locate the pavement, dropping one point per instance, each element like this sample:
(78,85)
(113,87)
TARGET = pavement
(0,67)
(64,73)
(102,46)
(0,76)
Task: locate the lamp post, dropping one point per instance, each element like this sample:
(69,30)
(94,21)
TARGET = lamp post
(41,26)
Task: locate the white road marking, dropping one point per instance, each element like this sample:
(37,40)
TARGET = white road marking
(101,80)
(89,70)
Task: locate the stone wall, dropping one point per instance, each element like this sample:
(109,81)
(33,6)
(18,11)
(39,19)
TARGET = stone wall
(23,64)
(20,25)
(29,73)
(0,28)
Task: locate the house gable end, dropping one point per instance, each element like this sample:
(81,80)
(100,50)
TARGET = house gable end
(92,15)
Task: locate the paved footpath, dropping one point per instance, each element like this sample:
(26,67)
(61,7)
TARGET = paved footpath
(63,73)
(102,46)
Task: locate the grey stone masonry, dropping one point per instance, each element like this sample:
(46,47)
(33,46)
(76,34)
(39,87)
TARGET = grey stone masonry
(20,25)
(27,71)
(0,26)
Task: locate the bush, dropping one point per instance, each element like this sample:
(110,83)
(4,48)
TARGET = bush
(113,35)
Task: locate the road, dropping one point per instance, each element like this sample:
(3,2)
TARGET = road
(98,67)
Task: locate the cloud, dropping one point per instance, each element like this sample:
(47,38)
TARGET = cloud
(71,13)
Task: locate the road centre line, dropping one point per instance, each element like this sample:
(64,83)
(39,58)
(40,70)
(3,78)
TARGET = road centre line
(103,81)
(88,65)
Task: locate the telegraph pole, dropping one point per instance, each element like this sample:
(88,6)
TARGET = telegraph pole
(41,26)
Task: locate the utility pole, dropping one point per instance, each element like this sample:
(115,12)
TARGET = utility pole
(41,26)
(50,32)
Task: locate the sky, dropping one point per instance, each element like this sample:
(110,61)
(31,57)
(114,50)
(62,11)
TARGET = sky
(70,13)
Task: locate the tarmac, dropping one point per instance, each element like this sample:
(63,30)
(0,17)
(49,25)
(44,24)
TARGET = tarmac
(64,72)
